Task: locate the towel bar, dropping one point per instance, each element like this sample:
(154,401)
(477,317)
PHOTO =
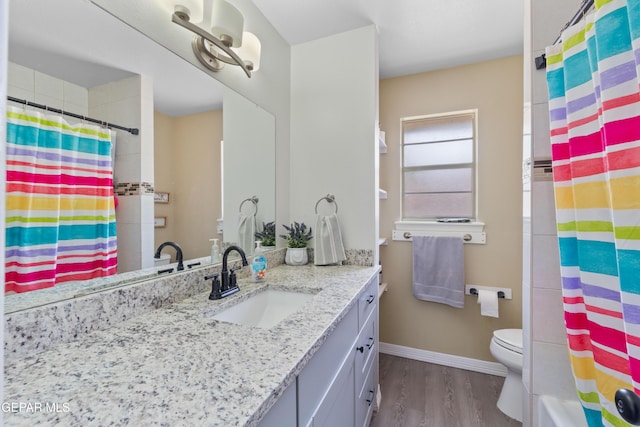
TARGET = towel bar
(466,237)
(471,237)
(330,198)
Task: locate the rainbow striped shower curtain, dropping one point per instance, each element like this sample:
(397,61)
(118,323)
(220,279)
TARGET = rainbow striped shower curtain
(60,214)
(594,105)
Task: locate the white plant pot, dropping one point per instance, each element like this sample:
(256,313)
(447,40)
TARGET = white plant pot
(296,256)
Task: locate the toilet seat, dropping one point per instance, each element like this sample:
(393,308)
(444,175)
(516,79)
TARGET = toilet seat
(511,339)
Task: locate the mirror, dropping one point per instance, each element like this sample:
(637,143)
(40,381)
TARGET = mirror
(84,59)
(249,174)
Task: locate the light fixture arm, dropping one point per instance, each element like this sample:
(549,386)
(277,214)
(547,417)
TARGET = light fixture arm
(208,58)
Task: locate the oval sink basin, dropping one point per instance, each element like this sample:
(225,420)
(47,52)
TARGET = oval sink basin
(264,309)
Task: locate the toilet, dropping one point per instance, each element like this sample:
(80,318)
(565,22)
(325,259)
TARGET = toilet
(165,259)
(506,347)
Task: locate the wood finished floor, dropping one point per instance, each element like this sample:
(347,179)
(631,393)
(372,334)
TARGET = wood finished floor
(419,394)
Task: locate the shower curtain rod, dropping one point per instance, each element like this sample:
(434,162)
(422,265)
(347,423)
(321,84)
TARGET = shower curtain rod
(541,61)
(133,131)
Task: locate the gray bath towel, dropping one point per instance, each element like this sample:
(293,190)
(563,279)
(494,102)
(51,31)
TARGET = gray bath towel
(328,247)
(438,269)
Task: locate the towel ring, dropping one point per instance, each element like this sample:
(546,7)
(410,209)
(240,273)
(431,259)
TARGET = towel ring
(330,198)
(253,200)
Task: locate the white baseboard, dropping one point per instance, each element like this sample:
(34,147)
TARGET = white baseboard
(476,365)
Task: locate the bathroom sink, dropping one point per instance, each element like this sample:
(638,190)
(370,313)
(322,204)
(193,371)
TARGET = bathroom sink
(264,309)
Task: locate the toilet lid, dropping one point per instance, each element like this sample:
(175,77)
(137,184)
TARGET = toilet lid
(509,338)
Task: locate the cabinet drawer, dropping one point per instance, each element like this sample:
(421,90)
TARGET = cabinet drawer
(366,349)
(367,399)
(367,302)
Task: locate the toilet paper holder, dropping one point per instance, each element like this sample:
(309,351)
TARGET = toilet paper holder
(503,293)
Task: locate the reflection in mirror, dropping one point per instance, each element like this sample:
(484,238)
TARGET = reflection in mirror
(37,68)
(249,170)
(189,164)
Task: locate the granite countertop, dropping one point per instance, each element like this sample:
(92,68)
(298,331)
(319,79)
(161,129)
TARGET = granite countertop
(175,366)
(24,301)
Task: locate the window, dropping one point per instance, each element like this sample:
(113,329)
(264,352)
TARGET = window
(438,166)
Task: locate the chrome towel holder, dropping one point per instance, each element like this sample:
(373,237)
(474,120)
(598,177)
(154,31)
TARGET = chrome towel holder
(252,199)
(330,198)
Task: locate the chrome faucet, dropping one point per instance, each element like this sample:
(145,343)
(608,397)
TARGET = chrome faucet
(228,285)
(178,253)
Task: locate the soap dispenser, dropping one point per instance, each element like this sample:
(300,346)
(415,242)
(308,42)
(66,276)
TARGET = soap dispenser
(215,251)
(258,264)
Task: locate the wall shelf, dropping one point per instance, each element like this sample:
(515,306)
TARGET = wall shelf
(382,289)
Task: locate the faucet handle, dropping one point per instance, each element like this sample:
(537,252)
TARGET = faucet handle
(215,286)
(233,282)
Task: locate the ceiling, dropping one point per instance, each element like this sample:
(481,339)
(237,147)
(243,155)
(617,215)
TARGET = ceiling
(79,42)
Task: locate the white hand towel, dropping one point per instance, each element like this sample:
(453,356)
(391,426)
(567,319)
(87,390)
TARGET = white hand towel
(328,246)
(438,269)
(247,233)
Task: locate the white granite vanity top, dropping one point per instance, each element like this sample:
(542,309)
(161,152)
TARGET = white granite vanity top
(174,366)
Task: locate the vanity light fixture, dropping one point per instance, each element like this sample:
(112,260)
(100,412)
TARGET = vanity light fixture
(226,43)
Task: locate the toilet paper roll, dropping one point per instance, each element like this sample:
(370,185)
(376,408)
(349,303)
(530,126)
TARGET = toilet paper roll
(488,301)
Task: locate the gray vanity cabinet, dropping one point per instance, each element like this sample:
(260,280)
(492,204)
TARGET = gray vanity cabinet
(366,362)
(339,384)
(338,387)
(283,413)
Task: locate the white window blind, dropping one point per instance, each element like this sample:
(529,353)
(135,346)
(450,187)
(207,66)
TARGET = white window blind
(438,166)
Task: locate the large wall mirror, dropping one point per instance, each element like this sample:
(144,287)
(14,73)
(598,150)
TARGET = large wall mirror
(79,43)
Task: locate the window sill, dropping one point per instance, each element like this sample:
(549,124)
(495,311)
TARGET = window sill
(472,232)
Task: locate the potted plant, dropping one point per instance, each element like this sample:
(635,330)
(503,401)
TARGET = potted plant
(267,236)
(297,238)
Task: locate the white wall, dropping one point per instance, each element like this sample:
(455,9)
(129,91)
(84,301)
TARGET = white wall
(249,158)
(333,131)
(546,367)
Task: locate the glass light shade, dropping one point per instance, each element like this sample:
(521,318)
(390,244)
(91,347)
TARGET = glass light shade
(194,8)
(250,50)
(226,23)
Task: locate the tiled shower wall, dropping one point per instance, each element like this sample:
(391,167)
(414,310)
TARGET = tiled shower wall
(546,369)
(129,103)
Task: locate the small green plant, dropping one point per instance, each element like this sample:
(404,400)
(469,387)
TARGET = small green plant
(267,236)
(297,235)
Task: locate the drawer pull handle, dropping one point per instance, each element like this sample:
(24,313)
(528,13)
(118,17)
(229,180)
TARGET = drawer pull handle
(371,298)
(370,400)
(371,343)
(360,349)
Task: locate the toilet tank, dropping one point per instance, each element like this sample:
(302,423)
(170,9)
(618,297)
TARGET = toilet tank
(164,260)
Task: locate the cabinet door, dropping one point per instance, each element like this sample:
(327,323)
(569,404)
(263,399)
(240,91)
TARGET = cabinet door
(338,406)
(283,413)
(323,368)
